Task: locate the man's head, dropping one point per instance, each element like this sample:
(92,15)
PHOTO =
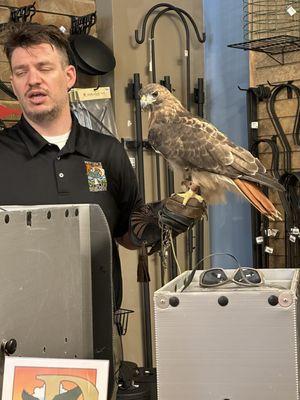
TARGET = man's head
(41,74)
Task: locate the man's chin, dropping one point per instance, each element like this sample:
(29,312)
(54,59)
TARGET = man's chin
(39,116)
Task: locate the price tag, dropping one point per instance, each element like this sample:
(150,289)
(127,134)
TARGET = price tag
(259,239)
(254,124)
(269,250)
(295,230)
(292,238)
(271,232)
(275,232)
(132,161)
(290,10)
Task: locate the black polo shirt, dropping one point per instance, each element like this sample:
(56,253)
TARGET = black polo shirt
(91,168)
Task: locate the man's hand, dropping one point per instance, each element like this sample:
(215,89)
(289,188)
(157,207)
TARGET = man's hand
(146,222)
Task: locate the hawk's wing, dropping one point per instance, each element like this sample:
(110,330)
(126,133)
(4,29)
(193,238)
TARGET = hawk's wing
(195,143)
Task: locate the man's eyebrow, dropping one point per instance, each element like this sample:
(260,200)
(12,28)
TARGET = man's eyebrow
(20,66)
(39,64)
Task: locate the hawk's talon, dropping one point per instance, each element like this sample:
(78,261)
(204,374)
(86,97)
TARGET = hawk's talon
(190,194)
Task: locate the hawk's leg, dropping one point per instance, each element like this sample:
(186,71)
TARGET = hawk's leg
(192,192)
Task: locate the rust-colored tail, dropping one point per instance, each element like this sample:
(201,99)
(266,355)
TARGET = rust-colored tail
(258,199)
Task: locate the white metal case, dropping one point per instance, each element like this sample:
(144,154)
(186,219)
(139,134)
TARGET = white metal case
(245,350)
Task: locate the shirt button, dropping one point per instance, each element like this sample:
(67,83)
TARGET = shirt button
(61,175)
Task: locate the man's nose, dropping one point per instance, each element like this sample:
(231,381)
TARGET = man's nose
(33,77)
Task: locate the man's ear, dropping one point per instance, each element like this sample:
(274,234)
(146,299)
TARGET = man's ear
(71,76)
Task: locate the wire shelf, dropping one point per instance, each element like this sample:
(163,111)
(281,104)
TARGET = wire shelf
(268,18)
(121,320)
(272,45)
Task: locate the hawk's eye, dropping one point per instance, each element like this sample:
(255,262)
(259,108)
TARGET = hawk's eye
(155,94)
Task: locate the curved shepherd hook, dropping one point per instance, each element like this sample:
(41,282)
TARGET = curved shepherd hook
(187,48)
(171,7)
(181,13)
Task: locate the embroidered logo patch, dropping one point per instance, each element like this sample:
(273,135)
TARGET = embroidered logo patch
(96,176)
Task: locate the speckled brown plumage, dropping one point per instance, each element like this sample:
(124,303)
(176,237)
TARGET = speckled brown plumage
(214,162)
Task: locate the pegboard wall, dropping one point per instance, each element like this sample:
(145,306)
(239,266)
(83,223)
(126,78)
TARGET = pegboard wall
(267,71)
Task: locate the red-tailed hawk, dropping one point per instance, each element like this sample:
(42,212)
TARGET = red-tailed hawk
(214,163)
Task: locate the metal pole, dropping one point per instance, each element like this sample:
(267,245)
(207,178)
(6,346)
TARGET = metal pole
(146,314)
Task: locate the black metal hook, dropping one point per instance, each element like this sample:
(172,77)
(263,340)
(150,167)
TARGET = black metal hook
(187,32)
(23,13)
(170,7)
(83,24)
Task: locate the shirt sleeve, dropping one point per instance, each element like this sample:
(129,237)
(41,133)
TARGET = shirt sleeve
(128,196)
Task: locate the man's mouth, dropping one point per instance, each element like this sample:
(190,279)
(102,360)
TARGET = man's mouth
(37,96)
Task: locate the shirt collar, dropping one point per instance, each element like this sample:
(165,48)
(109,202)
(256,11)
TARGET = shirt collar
(77,140)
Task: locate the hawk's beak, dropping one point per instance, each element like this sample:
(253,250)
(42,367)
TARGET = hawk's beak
(146,100)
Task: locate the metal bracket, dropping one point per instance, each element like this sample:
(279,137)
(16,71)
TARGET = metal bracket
(130,144)
(22,14)
(83,24)
(199,96)
(166,82)
(132,91)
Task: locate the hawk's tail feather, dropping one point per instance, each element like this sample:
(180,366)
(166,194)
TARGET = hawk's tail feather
(266,180)
(257,198)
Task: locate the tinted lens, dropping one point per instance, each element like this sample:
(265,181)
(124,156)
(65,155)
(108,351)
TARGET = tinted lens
(213,277)
(247,275)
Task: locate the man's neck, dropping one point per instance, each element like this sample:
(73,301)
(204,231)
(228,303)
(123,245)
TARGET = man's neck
(60,125)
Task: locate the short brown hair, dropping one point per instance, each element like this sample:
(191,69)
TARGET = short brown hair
(28,34)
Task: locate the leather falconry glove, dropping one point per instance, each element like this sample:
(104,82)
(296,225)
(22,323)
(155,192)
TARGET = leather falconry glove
(147,221)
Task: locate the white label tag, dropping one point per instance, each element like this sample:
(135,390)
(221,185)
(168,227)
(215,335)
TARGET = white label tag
(83,94)
(271,232)
(254,124)
(132,161)
(150,66)
(259,239)
(186,53)
(269,250)
(292,238)
(290,10)
(295,230)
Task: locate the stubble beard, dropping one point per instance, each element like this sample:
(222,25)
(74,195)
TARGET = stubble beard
(43,116)
(47,115)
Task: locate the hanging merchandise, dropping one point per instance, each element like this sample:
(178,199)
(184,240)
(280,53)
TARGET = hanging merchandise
(92,56)
(263,235)
(290,178)
(93,109)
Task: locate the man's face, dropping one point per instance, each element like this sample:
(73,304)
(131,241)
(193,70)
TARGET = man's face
(41,81)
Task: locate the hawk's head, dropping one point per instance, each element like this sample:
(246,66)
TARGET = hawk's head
(154,95)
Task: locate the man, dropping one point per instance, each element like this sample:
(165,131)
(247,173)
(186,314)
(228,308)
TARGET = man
(53,158)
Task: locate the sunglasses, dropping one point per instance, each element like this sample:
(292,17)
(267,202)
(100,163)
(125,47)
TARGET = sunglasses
(241,276)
